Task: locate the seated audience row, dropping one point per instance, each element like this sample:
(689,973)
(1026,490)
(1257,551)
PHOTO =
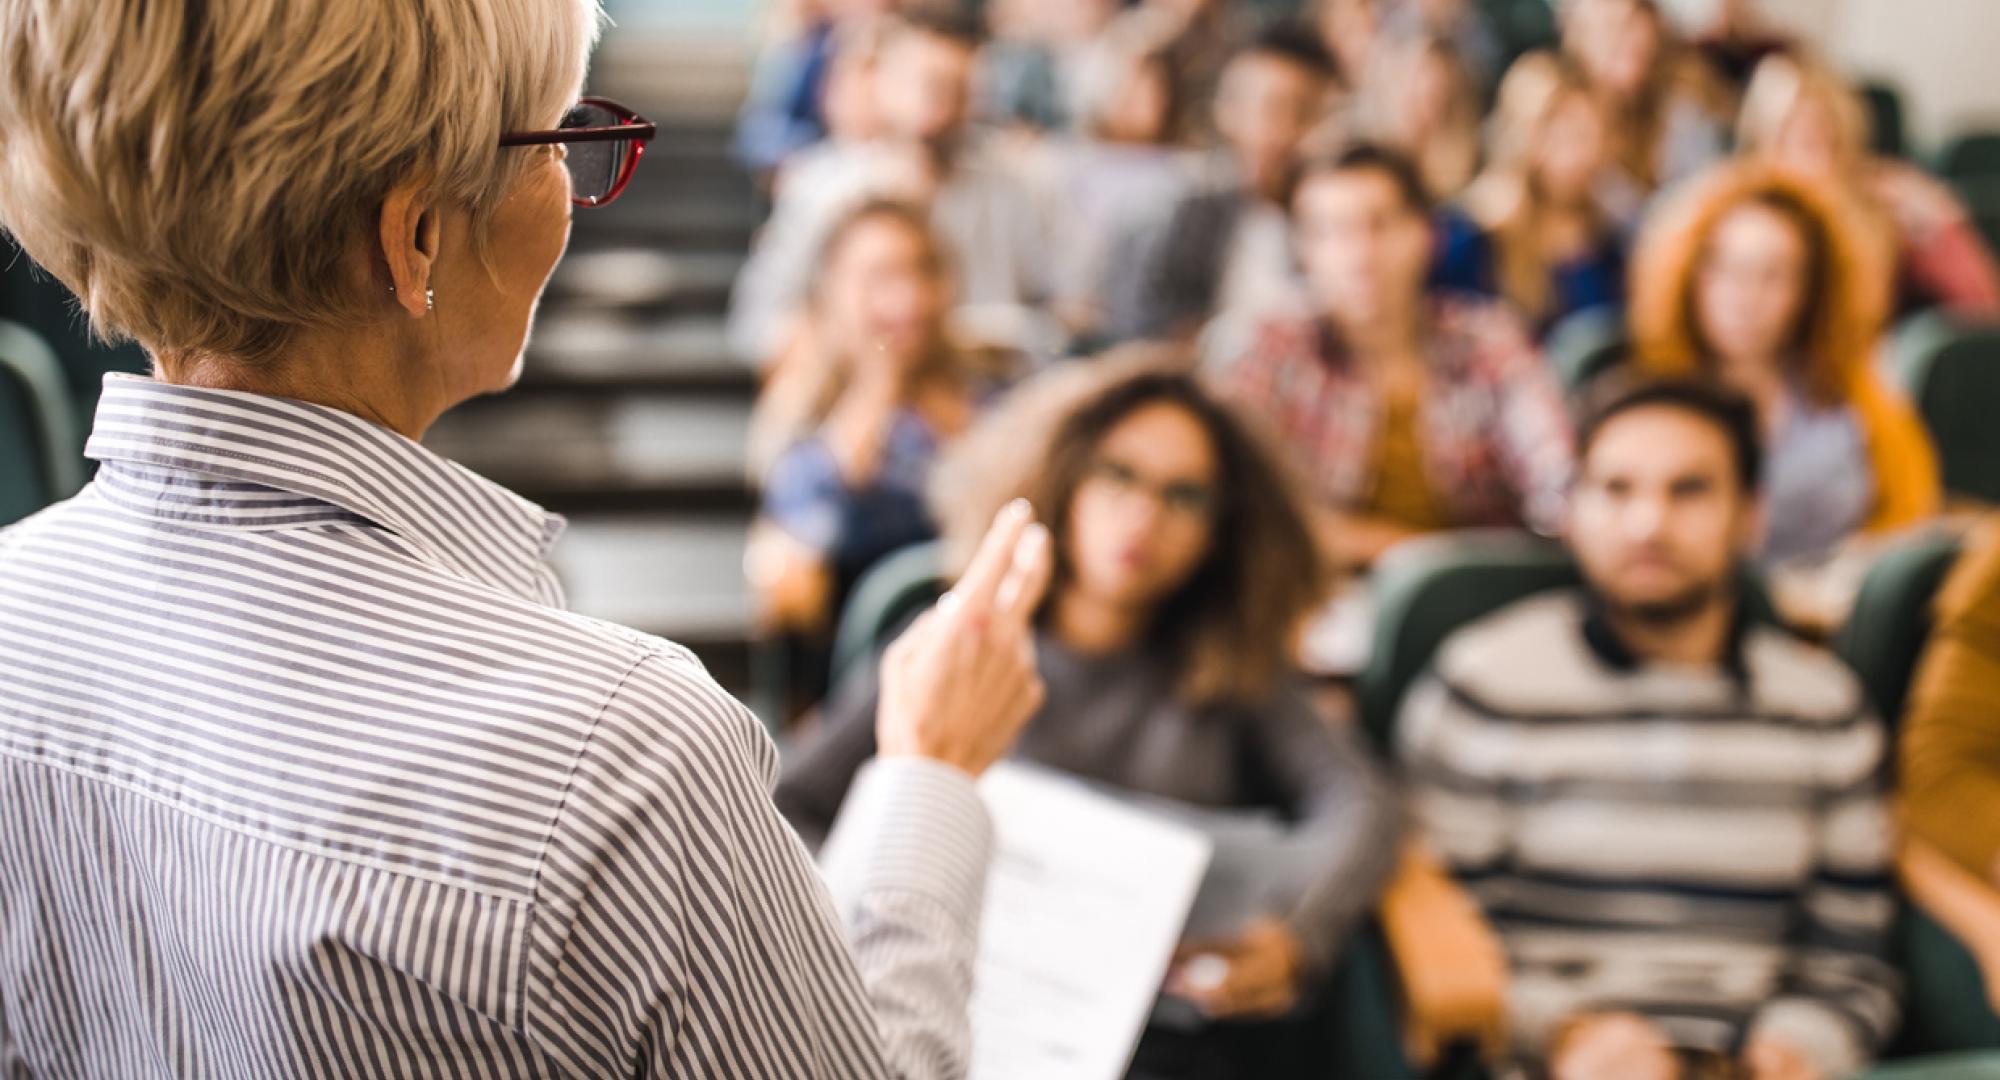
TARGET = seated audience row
(1667,808)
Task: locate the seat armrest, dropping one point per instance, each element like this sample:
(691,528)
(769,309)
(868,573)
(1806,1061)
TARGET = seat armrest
(1452,971)
(1964,904)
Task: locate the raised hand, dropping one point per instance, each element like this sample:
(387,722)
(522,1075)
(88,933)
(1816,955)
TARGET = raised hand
(960,683)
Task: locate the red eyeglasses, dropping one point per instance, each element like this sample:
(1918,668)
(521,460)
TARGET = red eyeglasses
(604,141)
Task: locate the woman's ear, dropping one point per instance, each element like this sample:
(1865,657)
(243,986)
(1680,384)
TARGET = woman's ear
(409,233)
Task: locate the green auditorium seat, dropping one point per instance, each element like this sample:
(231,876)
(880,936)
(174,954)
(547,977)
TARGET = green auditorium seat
(1885,118)
(1587,345)
(41,453)
(1952,372)
(1974,153)
(1429,588)
(1891,620)
(1982,200)
(886,598)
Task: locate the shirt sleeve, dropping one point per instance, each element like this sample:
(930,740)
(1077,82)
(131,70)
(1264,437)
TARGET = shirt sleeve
(682,929)
(1457,803)
(1536,440)
(1838,1002)
(1951,735)
(1344,804)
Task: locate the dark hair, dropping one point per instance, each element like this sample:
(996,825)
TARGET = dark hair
(1294,43)
(1229,629)
(1727,410)
(938,19)
(1373,157)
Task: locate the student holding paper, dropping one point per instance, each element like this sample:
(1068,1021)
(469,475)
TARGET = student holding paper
(1183,564)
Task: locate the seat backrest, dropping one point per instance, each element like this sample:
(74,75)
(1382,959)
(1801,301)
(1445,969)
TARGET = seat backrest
(1885,118)
(1952,372)
(40,452)
(1974,153)
(1982,200)
(1587,344)
(1885,633)
(887,597)
(1427,589)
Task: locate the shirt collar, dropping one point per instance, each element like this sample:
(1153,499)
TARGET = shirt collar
(458,519)
(1613,651)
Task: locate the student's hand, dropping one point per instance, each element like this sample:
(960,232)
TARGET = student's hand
(1612,1046)
(1775,1059)
(960,683)
(1253,976)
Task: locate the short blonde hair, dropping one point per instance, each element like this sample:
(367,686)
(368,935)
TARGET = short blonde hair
(200,173)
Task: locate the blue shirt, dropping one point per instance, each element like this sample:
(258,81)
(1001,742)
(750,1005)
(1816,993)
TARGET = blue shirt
(853,526)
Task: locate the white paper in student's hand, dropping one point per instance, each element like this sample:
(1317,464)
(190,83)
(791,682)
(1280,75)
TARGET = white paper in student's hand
(1084,907)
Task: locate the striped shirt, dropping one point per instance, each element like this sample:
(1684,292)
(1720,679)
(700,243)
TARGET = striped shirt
(304,772)
(1705,846)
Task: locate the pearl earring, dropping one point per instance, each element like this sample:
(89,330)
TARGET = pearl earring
(430,300)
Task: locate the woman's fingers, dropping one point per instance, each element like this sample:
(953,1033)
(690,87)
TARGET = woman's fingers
(1027,577)
(978,590)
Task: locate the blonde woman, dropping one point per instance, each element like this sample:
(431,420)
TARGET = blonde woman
(1419,99)
(1802,114)
(1664,107)
(1539,235)
(304,771)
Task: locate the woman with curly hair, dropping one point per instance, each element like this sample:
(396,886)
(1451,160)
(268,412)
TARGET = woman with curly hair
(1757,277)
(1183,566)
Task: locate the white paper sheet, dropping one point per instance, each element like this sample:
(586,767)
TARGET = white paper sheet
(1086,902)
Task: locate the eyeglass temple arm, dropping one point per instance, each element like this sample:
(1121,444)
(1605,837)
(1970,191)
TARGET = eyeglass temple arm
(638,131)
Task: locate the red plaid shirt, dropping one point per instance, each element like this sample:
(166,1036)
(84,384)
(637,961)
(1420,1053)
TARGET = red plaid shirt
(1494,428)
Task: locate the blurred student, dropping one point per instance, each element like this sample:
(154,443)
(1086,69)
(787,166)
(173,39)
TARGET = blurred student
(1201,36)
(1802,114)
(1757,277)
(1411,411)
(844,438)
(988,214)
(1950,752)
(1124,164)
(1461,23)
(1225,246)
(1349,31)
(1664,123)
(1535,231)
(1184,564)
(1418,98)
(785,111)
(1671,812)
(1736,39)
(1027,71)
